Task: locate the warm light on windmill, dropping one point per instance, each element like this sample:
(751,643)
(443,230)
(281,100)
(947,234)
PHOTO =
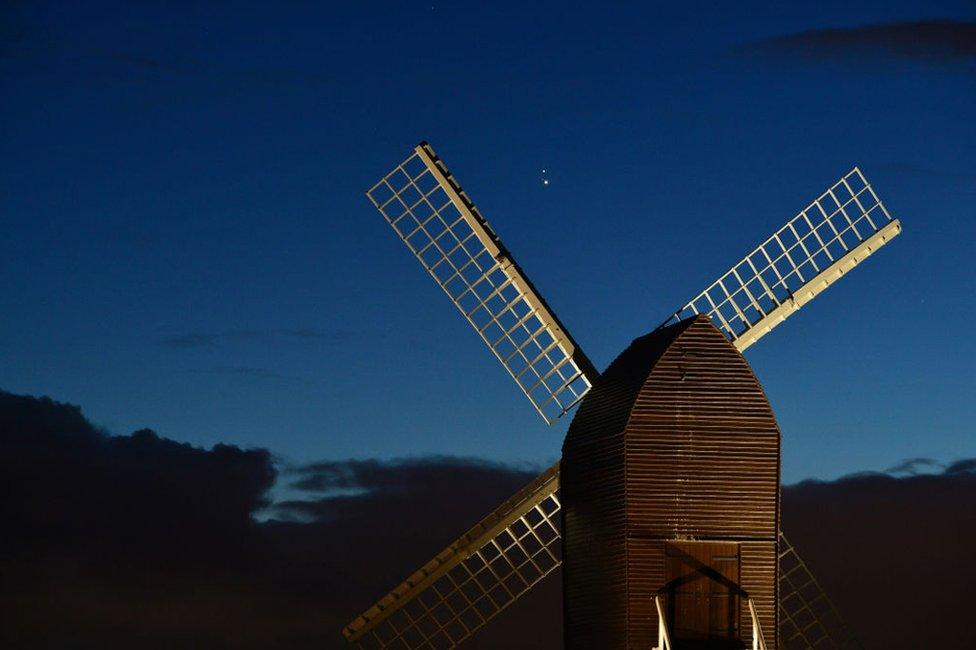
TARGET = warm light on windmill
(664,511)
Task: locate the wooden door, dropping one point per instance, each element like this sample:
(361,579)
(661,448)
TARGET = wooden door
(702,593)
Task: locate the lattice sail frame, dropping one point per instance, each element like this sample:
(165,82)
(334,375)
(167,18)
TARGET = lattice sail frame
(514,548)
(472,580)
(441,226)
(828,238)
(808,619)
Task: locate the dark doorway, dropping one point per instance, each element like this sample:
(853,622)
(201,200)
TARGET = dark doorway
(702,593)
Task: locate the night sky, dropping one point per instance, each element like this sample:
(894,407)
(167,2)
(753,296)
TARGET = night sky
(186,245)
(186,242)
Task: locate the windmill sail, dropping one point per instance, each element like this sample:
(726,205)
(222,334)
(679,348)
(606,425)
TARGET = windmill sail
(828,238)
(440,225)
(472,580)
(513,549)
(808,619)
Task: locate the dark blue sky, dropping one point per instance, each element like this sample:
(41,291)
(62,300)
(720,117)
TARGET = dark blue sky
(186,245)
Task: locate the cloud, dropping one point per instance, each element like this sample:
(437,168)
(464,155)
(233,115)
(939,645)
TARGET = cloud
(73,484)
(27,46)
(940,41)
(967,466)
(914,466)
(139,541)
(423,475)
(892,551)
(421,493)
(201,340)
(255,372)
(103,535)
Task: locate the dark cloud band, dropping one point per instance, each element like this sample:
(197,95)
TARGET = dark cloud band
(933,40)
(139,541)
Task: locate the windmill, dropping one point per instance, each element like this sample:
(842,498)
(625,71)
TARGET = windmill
(658,532)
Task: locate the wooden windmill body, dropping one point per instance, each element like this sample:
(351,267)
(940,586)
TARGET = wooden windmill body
(670,489)
(667,521)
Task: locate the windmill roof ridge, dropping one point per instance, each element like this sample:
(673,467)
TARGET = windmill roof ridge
(623,379)
(662,336)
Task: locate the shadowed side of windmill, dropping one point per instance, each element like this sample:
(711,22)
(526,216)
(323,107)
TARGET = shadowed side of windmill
(670,477)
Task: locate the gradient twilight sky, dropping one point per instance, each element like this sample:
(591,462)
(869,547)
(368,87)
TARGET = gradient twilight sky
(186,245)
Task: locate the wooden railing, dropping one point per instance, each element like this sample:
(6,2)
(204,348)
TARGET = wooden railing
(758,642)
(663,638)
